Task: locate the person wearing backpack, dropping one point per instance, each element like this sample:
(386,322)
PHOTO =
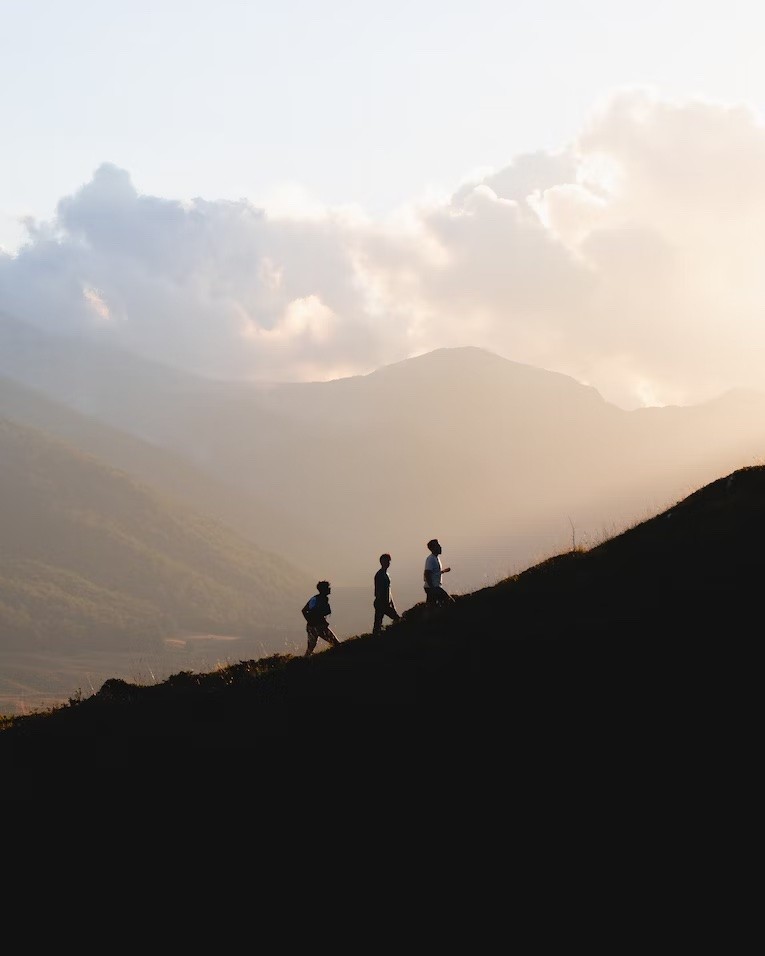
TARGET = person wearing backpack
(316,610)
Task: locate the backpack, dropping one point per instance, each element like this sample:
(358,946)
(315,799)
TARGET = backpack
(311,612)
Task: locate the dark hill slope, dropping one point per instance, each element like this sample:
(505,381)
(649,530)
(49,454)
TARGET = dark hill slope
(644,641)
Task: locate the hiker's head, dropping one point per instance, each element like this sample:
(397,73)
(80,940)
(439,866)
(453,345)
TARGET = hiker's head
(385,560)
(434,546)
(323,587)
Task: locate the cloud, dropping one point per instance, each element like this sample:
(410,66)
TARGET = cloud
(631,259)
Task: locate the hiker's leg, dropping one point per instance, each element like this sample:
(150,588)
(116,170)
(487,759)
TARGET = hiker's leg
(312,638)
(377,626)
(330,637)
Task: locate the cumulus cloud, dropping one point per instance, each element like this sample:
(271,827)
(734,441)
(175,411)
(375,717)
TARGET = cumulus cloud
(630,259)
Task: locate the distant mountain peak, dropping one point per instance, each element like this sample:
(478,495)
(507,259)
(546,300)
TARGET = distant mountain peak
(469,365)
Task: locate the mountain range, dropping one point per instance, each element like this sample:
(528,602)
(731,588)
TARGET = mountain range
(503,462)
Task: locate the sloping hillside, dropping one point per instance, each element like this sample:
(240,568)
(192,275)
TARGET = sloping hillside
(89,558)
(643,641)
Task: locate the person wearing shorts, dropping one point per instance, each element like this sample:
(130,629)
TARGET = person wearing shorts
(316,610)
(383,603)
(434,592)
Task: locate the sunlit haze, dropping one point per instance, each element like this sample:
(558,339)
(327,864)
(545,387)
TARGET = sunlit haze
(302,191)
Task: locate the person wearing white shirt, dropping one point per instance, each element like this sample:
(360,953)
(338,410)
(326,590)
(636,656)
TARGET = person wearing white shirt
(434,592)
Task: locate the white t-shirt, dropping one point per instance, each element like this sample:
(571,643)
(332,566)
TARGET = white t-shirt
(433,564)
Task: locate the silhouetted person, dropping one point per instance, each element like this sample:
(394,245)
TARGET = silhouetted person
(316,611)
(384,606)
(434,593)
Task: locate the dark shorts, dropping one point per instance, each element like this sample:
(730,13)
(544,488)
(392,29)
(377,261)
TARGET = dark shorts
(384,609)
(436,596)
(323,631)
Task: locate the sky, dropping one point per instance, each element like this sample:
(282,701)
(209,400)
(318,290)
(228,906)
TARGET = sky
(304,190)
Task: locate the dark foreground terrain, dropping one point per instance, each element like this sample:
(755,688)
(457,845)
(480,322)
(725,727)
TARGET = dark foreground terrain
(644,647)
